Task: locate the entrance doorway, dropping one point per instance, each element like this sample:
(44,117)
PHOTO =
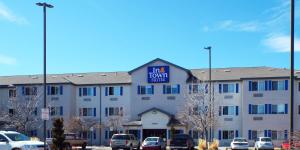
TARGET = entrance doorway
(154,132)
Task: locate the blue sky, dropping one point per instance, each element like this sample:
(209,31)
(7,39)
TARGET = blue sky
(119,35)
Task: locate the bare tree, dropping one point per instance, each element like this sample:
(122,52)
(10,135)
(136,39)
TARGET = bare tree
(195,111)
(78,125)
(115,122)
(22,114)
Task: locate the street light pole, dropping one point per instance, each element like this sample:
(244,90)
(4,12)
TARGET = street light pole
(44,5)
(292,72)
(210,109)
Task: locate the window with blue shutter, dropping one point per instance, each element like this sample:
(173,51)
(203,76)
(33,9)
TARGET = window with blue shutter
(61,110)
(270,108)
(178,88)
(48,90)
(266,133)
(121,90)
(269,133)
(48,133)
(270,85)
(250,85)
(237,88)
(164,89)
(95,90)
(286,108)
(94,133)
(61,90)
(190,88)
(190,133)
(219,135)
(106,91)
(249,134)
(138,134)
(95,112)
(169,134)
(106,134)
(23,90)
(250,109)
(286,84)
(285,134)
(80,90)
(236,110)
(266,85)
(138,89)
(220,88)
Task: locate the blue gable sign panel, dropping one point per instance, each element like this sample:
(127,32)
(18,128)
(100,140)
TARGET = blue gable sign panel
(158,74)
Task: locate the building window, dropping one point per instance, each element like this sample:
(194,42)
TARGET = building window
(12,93)
(54,90)
(228,110)
(258,109)
(274,85)
(299,109)
(11,111)
(229,88)
(29,91)
(171,89)
(274,135)
(87,91)
(56,111)
(254,134)
(268,85)
(148,89)
(114,91)
(114,111)
(227,134)
(87,112)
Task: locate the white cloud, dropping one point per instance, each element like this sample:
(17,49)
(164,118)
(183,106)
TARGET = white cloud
(281,43)
(230,25)
(6,60)
(7,14)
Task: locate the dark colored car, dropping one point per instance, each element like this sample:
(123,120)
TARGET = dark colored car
(181,141)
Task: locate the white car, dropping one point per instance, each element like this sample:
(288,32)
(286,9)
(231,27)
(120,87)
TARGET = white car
(11,140)
(263,143)
(239,143)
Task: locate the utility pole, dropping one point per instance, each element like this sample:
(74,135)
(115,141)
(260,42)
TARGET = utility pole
(292,73)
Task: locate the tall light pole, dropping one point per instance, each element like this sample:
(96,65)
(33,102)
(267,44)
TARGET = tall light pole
(44,5)
(210,101)
(292,72)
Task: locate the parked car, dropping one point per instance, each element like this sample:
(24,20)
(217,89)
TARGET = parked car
(286,145)
(11,140)
(239,143)
(263,143)
(71,140)
(124,141)
(181,141)
(154,143)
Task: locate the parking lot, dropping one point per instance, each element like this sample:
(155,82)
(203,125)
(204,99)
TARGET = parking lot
(108,148)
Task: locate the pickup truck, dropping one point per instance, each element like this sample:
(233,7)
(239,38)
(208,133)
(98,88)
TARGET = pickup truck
(71,140)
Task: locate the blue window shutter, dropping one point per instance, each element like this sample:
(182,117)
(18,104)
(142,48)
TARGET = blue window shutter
(237,88)
(80,90)
(220,135)
(106,111)
(95,112)
(266,133)
(269,133)
(94,134)
(106,91)
(266,108)
(164,89)
(169,134)
(61,90)
(48,133)
(236,133)
(266,85)
(138,134)
(237,110)
(23,90)
(249,135)
(106,134)
(285,134)
(286,84)
(270,108)
(250,109)
(152,87)
(270,85)
(95,90)
(286,108)
(178,88)
(250,85)
(220,88)
(61,110)
(190,88)
(220,110)
(139,89)
(190,132)
(121,90)
(48,90)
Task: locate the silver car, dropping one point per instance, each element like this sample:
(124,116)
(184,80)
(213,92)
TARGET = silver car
(239,143)
(124,141)
(154,143)
(263,143)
